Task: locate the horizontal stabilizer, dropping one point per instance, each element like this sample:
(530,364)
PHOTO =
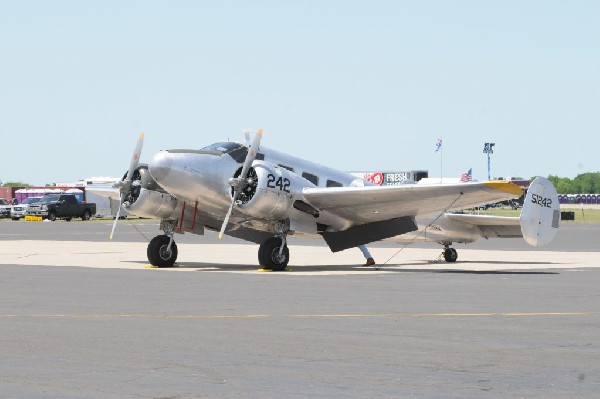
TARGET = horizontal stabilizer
(540,216)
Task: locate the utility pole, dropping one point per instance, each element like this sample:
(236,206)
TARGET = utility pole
(488,148)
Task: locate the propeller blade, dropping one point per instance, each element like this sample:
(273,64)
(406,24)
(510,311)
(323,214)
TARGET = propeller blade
(135,159)
(227,216)
(251,154)
(252,150)
(125,186)
(114,226)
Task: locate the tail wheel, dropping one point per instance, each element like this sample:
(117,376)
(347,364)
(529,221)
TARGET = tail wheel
(268,255)
(158,253)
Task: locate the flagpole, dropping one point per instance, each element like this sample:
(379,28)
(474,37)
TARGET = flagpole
(438,147)
(442,160)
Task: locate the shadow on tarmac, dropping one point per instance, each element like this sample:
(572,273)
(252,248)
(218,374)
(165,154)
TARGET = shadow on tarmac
(222,267)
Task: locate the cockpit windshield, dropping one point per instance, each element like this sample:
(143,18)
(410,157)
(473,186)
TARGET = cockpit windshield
(236,150)
(224,148)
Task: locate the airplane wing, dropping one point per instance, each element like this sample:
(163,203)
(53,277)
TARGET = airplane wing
(376,203)
(373,213)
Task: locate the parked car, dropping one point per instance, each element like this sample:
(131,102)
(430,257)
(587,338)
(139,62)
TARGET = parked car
(62,206)
(4,208)
(18,211)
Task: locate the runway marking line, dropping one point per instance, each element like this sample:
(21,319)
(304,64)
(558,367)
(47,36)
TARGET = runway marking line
(256,316)
(148,316)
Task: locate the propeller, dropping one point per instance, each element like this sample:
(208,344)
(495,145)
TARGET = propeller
(126,184)
(240,182)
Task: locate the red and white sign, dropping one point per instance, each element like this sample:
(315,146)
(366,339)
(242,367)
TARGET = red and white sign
(375,178)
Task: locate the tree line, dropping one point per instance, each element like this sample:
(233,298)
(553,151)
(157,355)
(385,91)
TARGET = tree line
(21,184)
(585,183)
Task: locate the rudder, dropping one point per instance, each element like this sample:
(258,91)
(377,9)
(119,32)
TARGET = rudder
(540,215)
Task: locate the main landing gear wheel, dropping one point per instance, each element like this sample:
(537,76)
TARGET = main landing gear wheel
(159,254)
(450,255)
(268,255)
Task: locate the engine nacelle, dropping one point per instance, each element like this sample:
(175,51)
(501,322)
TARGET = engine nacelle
(273,193)
(153,204)
(147,198)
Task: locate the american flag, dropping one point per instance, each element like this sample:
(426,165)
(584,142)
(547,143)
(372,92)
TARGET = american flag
(467,176)
(438,145)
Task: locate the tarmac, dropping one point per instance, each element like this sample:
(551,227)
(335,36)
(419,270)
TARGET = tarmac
(84,317)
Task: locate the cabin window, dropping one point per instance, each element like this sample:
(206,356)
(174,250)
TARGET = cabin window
(287,167)
(260,156)
(333,183)
(311,178)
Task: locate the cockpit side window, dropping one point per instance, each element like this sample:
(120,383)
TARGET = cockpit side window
(287,167)
(239,154)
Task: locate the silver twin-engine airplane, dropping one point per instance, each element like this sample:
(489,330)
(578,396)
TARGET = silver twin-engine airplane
(262,195)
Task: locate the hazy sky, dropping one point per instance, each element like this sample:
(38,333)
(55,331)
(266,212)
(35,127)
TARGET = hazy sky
(356,85)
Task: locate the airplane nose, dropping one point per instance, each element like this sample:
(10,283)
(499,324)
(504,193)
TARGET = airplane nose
(160,166)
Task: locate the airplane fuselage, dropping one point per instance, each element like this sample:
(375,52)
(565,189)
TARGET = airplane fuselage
(200,177)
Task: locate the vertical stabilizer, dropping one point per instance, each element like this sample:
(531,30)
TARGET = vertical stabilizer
(540,216)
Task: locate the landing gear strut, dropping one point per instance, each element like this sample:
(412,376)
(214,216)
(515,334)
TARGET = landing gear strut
(274,254)
(162,250)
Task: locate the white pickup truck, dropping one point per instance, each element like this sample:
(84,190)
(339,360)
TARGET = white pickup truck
(18,211)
